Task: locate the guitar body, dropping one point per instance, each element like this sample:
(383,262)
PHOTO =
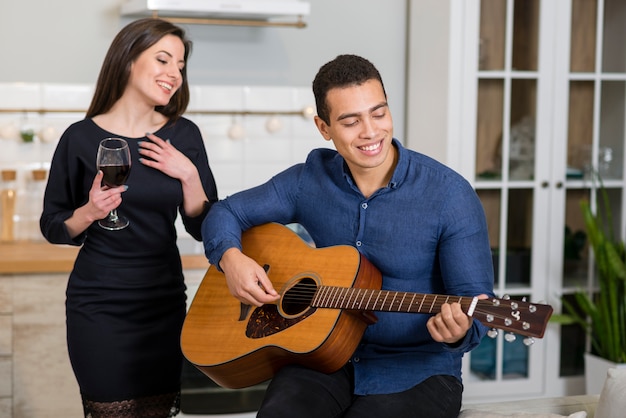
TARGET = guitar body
(238,345)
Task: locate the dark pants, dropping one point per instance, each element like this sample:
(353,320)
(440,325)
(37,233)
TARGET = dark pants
(300,392)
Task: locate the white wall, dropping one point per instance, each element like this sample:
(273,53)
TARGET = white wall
(427,77)
(44,42)
(237,162)
(63,48)
(65,42)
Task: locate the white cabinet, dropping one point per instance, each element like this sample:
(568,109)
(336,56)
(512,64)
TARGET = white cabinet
(536,103)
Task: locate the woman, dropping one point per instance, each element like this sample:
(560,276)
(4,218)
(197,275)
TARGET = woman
(126,294)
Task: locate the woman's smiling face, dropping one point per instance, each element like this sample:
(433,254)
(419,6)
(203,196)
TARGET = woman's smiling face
(156,74)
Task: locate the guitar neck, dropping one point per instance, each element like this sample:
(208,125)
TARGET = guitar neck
(386,300)
(519,316)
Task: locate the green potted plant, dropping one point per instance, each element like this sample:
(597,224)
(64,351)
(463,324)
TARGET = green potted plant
(602,315)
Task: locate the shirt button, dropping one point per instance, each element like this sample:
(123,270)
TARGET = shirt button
(364,205)
(358,243)
(356,359)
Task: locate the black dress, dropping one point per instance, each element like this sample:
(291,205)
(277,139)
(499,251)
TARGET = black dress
(126,294)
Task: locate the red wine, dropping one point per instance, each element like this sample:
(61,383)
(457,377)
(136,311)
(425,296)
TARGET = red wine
(115,175)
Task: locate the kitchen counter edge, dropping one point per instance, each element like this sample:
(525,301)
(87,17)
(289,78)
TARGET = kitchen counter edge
(23,257)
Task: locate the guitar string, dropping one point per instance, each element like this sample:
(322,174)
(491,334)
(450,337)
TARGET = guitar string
(304,293)
(495,320)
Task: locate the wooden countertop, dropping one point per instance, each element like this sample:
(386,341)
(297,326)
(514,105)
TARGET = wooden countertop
(43,257)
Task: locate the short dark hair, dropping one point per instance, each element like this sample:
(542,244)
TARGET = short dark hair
(126,47)
(344,71)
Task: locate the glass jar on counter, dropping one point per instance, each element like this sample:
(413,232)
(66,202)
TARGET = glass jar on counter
(8,196)
(29,206)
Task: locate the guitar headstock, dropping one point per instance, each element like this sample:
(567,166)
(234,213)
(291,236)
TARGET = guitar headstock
(517,316)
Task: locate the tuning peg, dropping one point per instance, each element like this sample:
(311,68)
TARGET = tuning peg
(506,297)
(510,337)
(492,333)
(528,341)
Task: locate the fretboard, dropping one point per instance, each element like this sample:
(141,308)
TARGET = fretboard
(384,300)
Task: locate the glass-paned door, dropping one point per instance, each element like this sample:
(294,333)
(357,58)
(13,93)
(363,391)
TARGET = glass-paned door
(595,85)
(506,73)
(542,111)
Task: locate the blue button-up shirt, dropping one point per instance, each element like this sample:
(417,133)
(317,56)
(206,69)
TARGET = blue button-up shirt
(426,232)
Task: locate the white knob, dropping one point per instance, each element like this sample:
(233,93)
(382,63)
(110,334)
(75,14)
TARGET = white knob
(273,124)
(236,131)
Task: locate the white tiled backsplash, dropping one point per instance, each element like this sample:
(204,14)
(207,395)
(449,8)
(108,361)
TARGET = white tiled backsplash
(264,144)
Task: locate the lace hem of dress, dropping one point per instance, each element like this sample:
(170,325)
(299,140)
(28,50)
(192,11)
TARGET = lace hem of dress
(158,406)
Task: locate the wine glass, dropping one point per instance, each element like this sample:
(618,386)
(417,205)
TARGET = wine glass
(114,161)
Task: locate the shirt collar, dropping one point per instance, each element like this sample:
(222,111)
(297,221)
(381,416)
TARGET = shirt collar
(402,168)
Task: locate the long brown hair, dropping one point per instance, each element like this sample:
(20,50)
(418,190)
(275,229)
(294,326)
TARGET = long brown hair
(128,44)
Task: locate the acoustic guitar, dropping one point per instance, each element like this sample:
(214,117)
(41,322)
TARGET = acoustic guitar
(327,296)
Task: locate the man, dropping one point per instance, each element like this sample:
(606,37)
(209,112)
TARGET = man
(417,221)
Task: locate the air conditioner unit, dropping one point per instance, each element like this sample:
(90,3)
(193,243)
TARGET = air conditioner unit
(260,10)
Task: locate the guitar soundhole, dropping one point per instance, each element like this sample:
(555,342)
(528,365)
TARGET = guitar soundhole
(294,307)
(298,298)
